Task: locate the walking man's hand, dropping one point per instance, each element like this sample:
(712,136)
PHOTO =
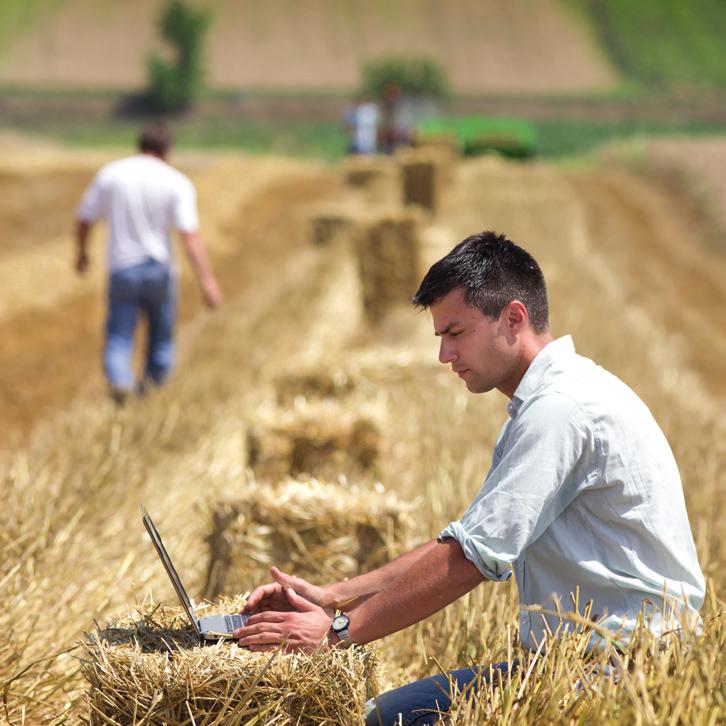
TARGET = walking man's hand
(82,263)
(211,293)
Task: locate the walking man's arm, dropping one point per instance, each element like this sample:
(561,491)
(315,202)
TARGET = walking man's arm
(83,233)
(199,260)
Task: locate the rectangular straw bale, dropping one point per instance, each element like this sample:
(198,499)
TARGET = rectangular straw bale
(375,178)
(151,669)
(388,257)
(319,438)
(331,223)
(315,529)
(423,173)
(313,383)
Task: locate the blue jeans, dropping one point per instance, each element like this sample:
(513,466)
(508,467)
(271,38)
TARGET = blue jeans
(148,288)
(426,702)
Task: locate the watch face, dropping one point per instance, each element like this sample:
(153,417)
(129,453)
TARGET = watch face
(340,622)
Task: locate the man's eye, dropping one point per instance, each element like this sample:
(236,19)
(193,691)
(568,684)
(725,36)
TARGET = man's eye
(455,333)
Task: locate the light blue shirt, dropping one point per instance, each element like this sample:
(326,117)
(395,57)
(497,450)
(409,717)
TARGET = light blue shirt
(583,491)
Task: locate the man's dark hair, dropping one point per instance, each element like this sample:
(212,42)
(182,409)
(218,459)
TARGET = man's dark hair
(492,271)
(155,138)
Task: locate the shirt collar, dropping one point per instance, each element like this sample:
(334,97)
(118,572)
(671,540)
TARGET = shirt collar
(534,376)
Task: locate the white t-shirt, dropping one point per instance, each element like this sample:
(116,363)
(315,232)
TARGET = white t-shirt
(142,199)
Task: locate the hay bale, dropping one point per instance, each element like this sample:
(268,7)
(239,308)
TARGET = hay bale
(375,178)
(424,171)
(388,257)
(152,670)
(331,223)
(318,530)
(313,383)
(314,438)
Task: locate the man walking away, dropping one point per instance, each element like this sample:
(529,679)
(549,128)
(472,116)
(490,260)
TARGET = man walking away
(142,199)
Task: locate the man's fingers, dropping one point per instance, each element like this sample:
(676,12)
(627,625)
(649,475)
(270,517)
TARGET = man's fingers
(265,622)
(281,577)
(271,616)
(300,603)
(258,594)
(265,638)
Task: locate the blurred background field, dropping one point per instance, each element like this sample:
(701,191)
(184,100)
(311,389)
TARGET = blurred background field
(623,202)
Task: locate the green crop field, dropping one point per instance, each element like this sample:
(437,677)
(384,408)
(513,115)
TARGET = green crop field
(666,43)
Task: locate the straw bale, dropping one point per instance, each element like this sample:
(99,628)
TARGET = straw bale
(312,528)
(152,669)
(312,438)
(313,383)
(332,222)
(424,171)
(388,256)
(376,178)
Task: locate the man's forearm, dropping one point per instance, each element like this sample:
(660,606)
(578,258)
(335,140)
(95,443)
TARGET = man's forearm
(351,593)
(197,255)
(441,575)
(83,233)
(202,269)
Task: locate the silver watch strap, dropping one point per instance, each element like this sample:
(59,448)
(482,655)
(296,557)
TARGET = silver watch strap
(344,637)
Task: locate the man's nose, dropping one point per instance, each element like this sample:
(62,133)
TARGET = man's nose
(446,352)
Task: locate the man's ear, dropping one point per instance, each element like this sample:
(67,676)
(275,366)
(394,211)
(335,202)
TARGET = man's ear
(517,316)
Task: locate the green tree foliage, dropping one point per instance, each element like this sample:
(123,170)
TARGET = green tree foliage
(175,85)
(415,76)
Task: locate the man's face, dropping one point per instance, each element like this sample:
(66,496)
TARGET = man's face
(480,350)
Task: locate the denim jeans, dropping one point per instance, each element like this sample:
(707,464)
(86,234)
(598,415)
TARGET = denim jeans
(148,288)
(426,701)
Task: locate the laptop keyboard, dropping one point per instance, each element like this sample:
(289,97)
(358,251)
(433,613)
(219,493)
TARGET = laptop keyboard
(233,622)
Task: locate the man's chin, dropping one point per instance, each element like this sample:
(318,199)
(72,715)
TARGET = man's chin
(477,386)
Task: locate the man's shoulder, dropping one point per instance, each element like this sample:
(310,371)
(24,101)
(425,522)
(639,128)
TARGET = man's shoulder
(149,169)
(597,392)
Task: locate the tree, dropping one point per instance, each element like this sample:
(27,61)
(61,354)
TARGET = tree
(175,85)
(416,77)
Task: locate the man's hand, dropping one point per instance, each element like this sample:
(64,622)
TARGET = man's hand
(82,263)
(302,629)
(211,293)
(274,597)
(82,234)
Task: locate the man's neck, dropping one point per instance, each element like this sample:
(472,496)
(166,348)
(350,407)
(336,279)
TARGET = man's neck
(160,157)
(530,348)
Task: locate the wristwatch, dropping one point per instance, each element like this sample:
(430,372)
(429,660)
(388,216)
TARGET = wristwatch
(340,627)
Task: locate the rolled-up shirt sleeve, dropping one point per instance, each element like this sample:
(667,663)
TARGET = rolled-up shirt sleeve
(545,455)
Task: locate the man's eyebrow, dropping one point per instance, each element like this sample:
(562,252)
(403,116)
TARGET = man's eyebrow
(451,325)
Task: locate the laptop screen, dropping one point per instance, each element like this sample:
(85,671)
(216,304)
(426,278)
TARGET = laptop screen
(166,561)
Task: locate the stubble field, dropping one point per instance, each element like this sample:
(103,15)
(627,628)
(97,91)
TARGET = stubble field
(629,278)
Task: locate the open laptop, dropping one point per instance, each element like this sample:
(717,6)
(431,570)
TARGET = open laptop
(209,629)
